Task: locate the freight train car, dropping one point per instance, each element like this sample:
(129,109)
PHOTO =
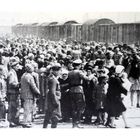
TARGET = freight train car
(128,33)
(91,30)
(72,30)
(102,30)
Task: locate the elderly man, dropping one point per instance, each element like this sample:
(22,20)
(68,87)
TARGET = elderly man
(28,92)
(53,111)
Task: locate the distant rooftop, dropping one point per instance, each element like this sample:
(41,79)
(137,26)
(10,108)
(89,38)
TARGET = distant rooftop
(71,22)
(99,21)
(53,23)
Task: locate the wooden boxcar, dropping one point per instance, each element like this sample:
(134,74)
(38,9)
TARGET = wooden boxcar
(102,30)
(93,31)
(72,30)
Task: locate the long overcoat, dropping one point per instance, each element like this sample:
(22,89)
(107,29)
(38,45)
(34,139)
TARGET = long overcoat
(114,104)
(53,97)
(28,86)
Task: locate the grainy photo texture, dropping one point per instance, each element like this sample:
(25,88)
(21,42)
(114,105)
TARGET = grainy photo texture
(72,70)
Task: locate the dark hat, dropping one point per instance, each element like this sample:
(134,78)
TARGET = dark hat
(112,70)
(101,62)
(88,66)
(56,66)
(102,77)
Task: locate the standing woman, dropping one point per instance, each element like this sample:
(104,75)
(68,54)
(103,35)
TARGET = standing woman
(134,77)
(65,96)
(114,104)
(89,88)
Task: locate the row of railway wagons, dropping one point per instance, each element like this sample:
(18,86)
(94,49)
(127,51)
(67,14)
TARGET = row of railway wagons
(102,30)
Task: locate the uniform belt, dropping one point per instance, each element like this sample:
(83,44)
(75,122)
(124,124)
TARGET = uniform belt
(75,85)
(76,93)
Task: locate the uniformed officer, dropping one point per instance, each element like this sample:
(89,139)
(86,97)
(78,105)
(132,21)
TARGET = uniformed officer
(53,111)
(76,91)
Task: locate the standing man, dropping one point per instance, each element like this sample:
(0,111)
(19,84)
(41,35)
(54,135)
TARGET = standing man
(53,110)
(13,93)
(77,94)
(29,91)
(2,95)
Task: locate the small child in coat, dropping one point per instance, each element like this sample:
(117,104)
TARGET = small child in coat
(101,91)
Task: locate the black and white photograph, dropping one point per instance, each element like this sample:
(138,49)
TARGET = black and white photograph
(64,65)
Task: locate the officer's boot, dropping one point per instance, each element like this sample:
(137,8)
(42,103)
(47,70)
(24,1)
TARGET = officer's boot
(74,125)
(54,125)
(54,122)
(45,124)
(78,120)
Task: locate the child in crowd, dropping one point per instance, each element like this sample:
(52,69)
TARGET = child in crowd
(101,91)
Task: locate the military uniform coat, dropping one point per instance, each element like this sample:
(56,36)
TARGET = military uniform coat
(53,97)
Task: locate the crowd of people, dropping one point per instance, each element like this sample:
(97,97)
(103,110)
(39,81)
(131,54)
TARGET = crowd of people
(68,81)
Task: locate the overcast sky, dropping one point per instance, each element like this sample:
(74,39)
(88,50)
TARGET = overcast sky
(30,11)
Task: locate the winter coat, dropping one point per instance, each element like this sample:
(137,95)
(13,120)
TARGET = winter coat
(53,96)
(2,89)
(28,86)
(101,91)
(75,81)
(114,104)
(12,83)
